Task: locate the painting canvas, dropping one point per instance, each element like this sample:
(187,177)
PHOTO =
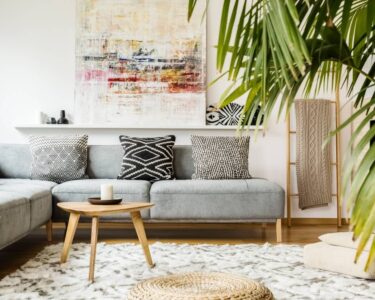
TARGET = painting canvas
(140,63)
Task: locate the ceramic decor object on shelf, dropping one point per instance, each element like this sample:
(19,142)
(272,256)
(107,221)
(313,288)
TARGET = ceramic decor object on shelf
(63,119)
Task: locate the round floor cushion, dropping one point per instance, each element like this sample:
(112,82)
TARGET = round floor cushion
(200,286)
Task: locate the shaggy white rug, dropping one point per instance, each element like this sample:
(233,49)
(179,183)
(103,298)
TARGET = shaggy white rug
(120,266)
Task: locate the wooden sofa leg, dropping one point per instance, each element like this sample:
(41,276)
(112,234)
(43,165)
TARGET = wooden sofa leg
(279,234)
(49,230)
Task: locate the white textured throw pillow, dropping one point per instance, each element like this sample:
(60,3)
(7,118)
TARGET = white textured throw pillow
(337,259)
(220,157)
(58,158)
(343,239)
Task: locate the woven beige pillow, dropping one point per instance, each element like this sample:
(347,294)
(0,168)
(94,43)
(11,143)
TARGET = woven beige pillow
(220,157)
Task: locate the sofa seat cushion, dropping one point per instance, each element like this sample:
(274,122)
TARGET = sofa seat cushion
(42,183)
(14,217)
(81,190)
(337,259)
(217,199)
(38,194)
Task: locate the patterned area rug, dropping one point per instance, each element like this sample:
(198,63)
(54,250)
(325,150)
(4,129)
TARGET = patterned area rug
(120,266)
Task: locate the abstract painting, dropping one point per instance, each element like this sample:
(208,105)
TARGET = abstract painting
(140,63)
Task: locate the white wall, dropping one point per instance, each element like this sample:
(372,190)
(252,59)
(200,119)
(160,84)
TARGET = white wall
(37,73)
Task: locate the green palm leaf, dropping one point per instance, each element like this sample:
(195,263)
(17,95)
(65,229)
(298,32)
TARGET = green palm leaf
(278,47)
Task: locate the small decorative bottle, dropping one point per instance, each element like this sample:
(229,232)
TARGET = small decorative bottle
(62,119)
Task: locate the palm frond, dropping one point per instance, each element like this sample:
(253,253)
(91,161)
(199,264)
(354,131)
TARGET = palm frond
(275,48)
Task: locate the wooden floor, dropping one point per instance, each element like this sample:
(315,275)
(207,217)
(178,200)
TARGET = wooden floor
(14,256)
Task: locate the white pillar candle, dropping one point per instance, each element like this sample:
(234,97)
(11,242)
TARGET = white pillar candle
(106,192)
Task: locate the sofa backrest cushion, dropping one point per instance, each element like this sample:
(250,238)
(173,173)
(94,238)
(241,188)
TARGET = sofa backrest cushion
(183,162)
(15,161)
(104,161)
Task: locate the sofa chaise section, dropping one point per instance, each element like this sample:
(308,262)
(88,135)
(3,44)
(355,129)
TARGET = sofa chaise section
(38,194)
(24,205)
(14,218)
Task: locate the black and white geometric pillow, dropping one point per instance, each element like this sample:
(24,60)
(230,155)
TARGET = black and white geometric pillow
(148,159)
(58,158)
(229,115)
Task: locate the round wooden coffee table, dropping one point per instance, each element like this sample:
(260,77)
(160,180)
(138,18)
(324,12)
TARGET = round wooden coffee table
(76,209)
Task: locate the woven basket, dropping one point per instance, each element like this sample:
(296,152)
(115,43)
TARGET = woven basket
(196,286)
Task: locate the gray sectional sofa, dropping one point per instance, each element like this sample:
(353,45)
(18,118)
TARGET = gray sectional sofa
(26,204)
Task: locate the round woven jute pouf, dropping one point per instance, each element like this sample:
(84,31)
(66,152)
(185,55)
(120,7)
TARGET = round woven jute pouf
(197,286)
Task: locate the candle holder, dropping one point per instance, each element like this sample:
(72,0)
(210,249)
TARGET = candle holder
(98,201)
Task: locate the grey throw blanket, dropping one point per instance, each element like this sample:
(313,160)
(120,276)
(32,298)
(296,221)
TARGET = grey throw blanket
(313,163)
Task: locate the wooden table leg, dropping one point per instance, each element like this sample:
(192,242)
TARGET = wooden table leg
(72,226)
(94,241)
(139,228)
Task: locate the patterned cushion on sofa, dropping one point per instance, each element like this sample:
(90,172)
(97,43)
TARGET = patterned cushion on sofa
(58,158)
(148,159)
(220,157)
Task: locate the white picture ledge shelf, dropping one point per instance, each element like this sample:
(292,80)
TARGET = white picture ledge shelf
(119,126)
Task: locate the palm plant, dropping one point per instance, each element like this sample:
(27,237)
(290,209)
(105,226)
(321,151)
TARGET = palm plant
(272,49)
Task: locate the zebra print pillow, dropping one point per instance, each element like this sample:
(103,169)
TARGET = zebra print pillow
(220,157)
(148,159)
